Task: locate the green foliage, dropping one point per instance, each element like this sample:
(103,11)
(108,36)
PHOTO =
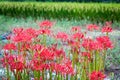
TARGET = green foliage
(92,11)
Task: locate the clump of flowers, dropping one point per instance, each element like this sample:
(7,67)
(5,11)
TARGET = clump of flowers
(28,56)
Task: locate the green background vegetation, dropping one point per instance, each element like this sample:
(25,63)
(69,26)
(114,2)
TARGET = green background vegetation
(91,11)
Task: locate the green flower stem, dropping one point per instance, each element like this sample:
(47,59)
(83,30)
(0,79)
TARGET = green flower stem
(66,76)
(50,72)
(44,39)
(18,48)
(8,75)
(43,78)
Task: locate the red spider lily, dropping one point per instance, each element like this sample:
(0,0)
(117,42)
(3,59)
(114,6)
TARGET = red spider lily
(17,30)
(59,53)
(107,29)
(90,44)
(46,24)
(18,63)
(87,43)
(18,66)
(31,32)
(25,46)
(92,27)
(45,54)
(87,55)
(105,41)
(78,36)
(38,65)
(97,75)
(62,35)
(76,29)
(44,31)
(63,68)
(108,23)
(66,66)
(10,46)
(22,37)
(37,47)
(14,62)
(73,43)
(7,59)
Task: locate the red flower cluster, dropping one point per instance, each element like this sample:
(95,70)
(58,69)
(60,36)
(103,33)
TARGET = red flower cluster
(46,24)
(9,46)
(76,29)
(97,76)
(92,27)
(32,54)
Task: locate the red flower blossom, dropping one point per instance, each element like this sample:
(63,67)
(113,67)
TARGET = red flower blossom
(105,41)
(59,53)
(46,54)
(46,24)
(17,30)
(14,62)
(9,46)
(18,66)
(87,55)
(44,31)
(62,35)
(107,29)
(75,29)
(97,75)
(92,27)
(22,37)
(73,43)
(31,32)
(90,44)
(78,36)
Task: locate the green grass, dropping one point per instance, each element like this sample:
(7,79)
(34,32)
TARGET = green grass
(92,11)
(8,23)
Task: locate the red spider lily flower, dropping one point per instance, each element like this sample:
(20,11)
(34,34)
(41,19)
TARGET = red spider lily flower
(45,54)
(18,66)
(73,43)
(87,55)
(66,67)
(44,31)
(63,68)
(17,30)
(37,47)
(59,53)
(25,46)
(13,62)
(97,75)
(90,44)
(10,46)
(107,29)
(38,65)
(108,23)
(105,41)
(78,36)
(62,35)
(31,32)
(46,24)
(92,27)
(87,42)
(7,59)
(20,58)
(22,37)
(76,29)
